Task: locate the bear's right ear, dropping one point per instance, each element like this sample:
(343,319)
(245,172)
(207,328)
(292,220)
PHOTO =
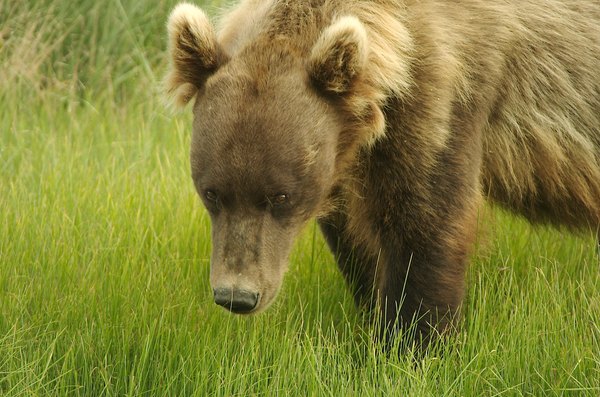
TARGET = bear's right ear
(194,51)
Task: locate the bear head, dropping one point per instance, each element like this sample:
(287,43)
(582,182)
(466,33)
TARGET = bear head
(273,131)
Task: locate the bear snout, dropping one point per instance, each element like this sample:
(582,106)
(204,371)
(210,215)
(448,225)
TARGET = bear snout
(239,301)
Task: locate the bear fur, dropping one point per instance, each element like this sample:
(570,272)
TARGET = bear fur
(390,122)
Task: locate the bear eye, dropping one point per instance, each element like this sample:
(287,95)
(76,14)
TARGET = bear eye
(211,195)
(278,200)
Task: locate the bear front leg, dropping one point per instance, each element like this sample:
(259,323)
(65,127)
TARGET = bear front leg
(421,282)
(357,267)
(418,297)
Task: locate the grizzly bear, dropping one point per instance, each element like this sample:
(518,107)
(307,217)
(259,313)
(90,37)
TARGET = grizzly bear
(389,122)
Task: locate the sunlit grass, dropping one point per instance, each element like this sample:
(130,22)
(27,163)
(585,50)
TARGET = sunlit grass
(104,252)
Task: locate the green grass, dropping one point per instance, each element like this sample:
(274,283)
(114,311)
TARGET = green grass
(104,252)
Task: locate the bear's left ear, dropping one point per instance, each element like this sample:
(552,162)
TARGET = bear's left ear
(194,51)
(339,55)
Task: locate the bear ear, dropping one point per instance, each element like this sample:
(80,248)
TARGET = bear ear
(194,52)
(339,55)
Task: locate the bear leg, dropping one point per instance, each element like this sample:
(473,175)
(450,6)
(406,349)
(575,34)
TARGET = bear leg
(419,297)
(357,267)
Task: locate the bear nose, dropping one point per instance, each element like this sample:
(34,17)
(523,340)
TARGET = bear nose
(236,300)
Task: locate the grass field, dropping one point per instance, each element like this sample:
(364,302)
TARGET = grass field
(104,252)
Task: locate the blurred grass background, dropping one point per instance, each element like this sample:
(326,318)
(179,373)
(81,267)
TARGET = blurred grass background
(104,251)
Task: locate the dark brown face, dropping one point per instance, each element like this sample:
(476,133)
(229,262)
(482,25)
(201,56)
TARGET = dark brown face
(262,159)
(267,139)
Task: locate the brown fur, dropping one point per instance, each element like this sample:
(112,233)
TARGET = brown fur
(401,116)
